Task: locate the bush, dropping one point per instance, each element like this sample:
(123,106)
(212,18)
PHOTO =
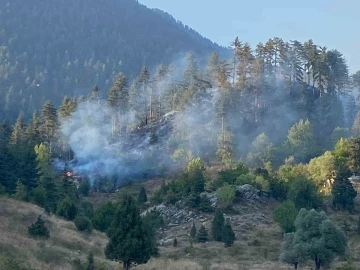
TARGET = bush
(103,216)
(38,229)
(39,196)
(225,195)
(285,214)
(83,224)
(67,209)
(2,190)
(202,235)
(87,209)
(142,198)
(304,193)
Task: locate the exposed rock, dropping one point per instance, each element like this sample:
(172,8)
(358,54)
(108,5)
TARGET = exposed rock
(250,194)
(172,214)
(165,242)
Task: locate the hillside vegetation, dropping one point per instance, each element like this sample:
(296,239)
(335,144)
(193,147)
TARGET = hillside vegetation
(65,248)
(48,50)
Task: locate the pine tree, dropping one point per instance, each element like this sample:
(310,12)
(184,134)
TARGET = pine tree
(118,100)
(202,235)
(142,198)
(67,107)
(21,193)
(358,226)
(343,192)
(39,229)
(94,94)
(130,240)
(17,134)
(228,235)
(354,158)
(205,204)
(193,231)
(49,122)
(217,225)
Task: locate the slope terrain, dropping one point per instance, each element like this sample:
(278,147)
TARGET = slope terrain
(48,50)
(65,248)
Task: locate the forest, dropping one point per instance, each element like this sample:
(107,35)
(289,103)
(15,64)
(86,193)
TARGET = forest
(49,50)
(108,115)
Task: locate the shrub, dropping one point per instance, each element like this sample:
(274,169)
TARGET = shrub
(38,229)
(228,235)
(103,216)
(225,195)
(83,224)
(142,198)
(205,204)
(285,214)
(67,209)
(87,209)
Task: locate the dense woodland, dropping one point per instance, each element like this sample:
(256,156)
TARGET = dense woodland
(48,49)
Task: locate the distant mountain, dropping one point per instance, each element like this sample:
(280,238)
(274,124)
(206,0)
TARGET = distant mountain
(52,48)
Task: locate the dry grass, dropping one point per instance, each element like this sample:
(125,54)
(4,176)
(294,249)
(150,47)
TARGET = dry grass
(54,253)
(168,264)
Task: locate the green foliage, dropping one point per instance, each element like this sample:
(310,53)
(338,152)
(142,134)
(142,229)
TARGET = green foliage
(195,174)
(84,187)
(225,195)
(217,225)
(39,229)
(205,204)
(103,216)
(38,195)
(301,140)
(321,168)
(340,133)
(21,193)
(304,193)
(230,176)
(2,190)
(278,188)
(228,235)
(341,154)
(11,264)
(130,241)
(175,242)
(202,235)
(66,209)
(86,208)
(317,238)
(358,226)
(83,224)
(154,220)
(142,198)
(285,214)
(288,252)
(193,231)
(343,192)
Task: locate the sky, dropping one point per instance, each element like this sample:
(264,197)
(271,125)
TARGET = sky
(329,23)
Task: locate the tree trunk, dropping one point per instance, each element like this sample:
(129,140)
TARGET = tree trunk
(296,265)
(126,265)
(317,264)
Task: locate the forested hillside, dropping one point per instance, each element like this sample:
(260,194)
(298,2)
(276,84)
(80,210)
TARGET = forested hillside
(50,49)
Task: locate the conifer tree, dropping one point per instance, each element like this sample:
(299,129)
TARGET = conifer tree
(142,198)
(202,235)
(67,107)
(217,225)
(343,192)
(17,134)
(130,240)
(358,226)
(49,122)
(39,229)
(94,94)
(228,235)
(354,157)
(193,231)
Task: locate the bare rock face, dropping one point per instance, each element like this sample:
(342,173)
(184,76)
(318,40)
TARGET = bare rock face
(250,194)
(172,215)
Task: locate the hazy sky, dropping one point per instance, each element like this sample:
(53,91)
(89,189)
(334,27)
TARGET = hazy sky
(330,23)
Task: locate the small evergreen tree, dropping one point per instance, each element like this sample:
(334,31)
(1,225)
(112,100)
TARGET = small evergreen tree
(175,242)
(202,235)
(67,209)
(217,225)
(205,204)
(21,192)
(358,226)
(130,239)
(83,224)
(38,229)
(228,235)
(193,231)
(142,198)
(343,192)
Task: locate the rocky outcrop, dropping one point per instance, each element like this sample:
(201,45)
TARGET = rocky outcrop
(172,215)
